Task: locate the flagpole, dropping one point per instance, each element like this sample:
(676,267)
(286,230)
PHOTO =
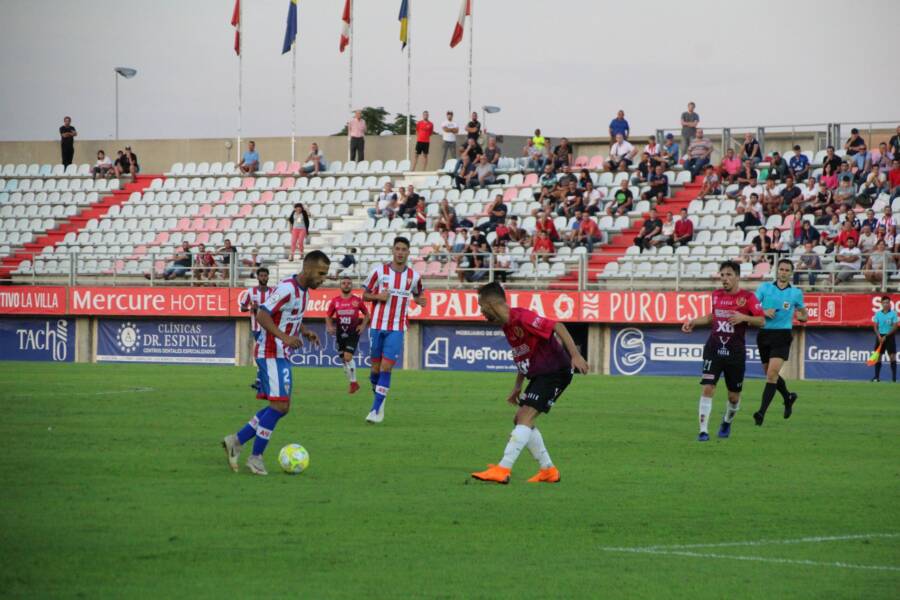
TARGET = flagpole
(408,70)
(240,80)
(471,37)
(293,96)
(350,91)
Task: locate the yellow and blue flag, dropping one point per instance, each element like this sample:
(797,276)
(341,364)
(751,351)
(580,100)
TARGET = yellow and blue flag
(290,32)
(404,23)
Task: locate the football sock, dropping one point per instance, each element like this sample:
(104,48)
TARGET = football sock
(768,394)
(894,370)
(350,369)
(267,424)
(782,387)
(248,431)
(705,410)
(878,369)
(517,441)
(538,450)
(381,389)
(731,410)
(373,379)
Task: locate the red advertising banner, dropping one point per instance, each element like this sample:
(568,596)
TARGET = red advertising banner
(853,310)
(32,300)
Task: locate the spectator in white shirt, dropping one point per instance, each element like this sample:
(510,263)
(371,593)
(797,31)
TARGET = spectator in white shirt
(385,204)
(621,154)
(103,166)
(847,262)
(449,129)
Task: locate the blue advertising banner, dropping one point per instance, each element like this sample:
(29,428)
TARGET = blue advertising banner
(841,354)
(327,355)
(25,338)
(668,351)
(177,341)
(465,348)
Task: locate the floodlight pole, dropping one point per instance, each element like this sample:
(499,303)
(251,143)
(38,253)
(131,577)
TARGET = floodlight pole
(116,75)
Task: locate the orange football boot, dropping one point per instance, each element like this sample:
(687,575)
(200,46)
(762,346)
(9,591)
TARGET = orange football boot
(493,473)
(548,475)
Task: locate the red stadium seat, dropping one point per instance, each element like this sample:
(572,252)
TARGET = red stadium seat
(281,167)
(596,162)
(226,197)
(266,197)
(294,167)
(248,183)
(246,209)
(581,162)
(510,194)
(531,179)
(205,209)
(287,183)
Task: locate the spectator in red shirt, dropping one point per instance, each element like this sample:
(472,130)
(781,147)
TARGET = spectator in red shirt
(684,230)
(543,247)
(847,232)
(588,233)
(894,179)
(424,129)
(204,264)
(545,224)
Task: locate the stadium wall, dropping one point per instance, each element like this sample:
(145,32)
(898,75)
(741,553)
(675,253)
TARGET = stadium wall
(620,333)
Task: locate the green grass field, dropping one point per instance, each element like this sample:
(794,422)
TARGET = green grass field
(114,485)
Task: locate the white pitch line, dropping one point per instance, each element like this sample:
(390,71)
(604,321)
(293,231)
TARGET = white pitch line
(803,540)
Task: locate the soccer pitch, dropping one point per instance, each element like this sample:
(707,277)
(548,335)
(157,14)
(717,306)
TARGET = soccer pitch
(114,485)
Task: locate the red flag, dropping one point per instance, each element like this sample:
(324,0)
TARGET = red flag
(345,30)
(236,23)
(464,11)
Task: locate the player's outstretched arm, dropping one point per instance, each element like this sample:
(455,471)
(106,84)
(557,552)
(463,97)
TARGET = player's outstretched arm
(265,321)
(578,362)
(688,326)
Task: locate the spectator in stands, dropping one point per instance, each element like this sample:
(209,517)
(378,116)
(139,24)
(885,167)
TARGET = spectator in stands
(684,230)
(473,150)
(847,263)
(543,246)
(856,149)
(121,165)
(867,239)
(484,171)
(253,262)
(446,220)
(421,219)
(771,198)
(821,201)
(502,261)
(563,179)
(690,122)
(548,178)
(809,264)
(831,159)
(619,126)
(748,179)
(872,187)
(461,241)
(809,193)
(808,233)
(348,262)
(546,225)
(886,219)
(356,131)
(871,220)
(299,223)
(730,167)
(540,142)
(623,201)
(572,201)
(670,151)
(652,149)
(829,177)
(449,131)
(621,153)
(752,213)
(593,198)
(894,143)
(534,155)
(756,245)
(204,264)
(879,265)
(496,213)
(799,165)
(778,168)
(465,173)
(67,135)
(845,194)
(659,186)
(250,160)
(847,233)
(181,262)
(882,157)
(103,167)
(133,159)
(666,234)
(750,150)
(584,178)
(514,233)
(562,154)
(547,199)
(473,128)
(698,154)
(424,129)
(790,196)
(712,185)
(651,228)
(831,230)
(894,179)
(385,203)
(588,233)
(642,171)
(315,161)
(570,233)
(227,254)
(409,202)
(493,153)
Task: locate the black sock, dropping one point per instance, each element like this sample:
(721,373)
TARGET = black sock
(894,370)
(878,369)
(767,396)
(782,388)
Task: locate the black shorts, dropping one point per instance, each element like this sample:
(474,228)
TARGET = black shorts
(774,343)
(890,344)
(732,368)
(422,147)
(543,390)
(348,342)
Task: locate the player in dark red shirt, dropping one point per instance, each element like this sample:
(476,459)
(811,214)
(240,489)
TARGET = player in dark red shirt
(733,309)
(547,361)
(347,309)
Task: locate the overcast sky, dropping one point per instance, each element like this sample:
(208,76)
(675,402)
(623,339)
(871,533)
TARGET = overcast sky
(565,65)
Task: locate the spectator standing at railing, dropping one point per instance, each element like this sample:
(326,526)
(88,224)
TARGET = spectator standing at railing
(619,126)
(424,129)
(809,264)
(856,149)
(670,151)
(799,165)
(67,135)
(356,131)
(449,130)
(250,160)
(473,128)
(621,153)
(299,222)
(690,121)
(684,230)
(103,167)
(750,150)
(698,154)
(315,161)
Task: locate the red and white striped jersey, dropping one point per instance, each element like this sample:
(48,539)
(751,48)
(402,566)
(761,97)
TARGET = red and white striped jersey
(251,295)
(402,287)
(286,305)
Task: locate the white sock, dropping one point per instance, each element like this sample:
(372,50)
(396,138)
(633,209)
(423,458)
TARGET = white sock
(731,410)
(705,409)
(350,370)
(517,441)
(538,450)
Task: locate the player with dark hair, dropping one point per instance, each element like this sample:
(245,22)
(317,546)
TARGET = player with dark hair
(885,325)
(281,319)
(779,301)
(347,308)
(389,288)
(546,355)
(724,353)
(251,299)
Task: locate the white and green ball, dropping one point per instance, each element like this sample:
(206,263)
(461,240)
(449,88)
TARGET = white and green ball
(293,459)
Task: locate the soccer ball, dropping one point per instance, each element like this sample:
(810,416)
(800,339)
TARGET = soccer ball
(293,459)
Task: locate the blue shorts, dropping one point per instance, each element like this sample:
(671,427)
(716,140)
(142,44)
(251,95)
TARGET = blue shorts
(275,382)
(386,345)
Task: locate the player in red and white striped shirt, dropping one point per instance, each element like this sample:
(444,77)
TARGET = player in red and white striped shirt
(390,288)
(281,320)
(251,299)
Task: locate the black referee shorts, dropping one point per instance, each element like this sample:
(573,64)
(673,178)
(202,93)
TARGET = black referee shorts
(774,343)
(890,344)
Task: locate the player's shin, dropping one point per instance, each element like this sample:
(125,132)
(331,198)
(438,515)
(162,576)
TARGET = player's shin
(731,410)
(538,449)
(350,370)
(705,408)
(267,423)
(518,439)
(767,396)
(782,387)
(878,369)
(894,370)
(381,389)
(248,431)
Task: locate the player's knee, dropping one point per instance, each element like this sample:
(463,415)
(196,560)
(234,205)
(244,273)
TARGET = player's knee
(282,407)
